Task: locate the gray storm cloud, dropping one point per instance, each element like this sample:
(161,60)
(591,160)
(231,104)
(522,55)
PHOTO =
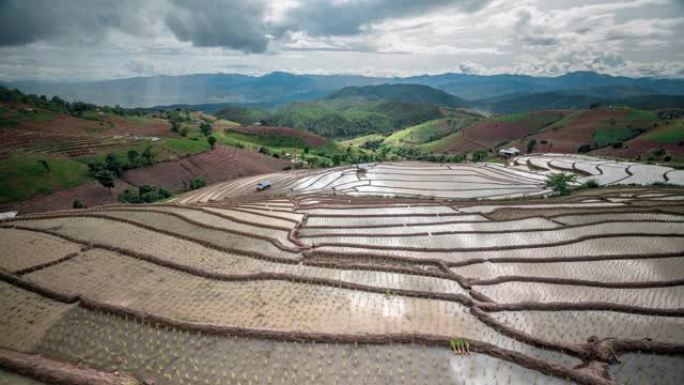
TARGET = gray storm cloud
(235,24)
(96,39)
(220,23)
(27,21)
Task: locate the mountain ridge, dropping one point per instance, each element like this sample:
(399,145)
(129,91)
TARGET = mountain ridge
(279,88)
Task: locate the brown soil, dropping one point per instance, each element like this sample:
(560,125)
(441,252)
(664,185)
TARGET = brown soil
(57,372)
(221,164)
(91,194)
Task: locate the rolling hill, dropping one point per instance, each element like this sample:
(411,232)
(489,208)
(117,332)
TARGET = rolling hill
(624,96)
(51,151)
(433,130)
(344,119)
(406,93)
(618,132)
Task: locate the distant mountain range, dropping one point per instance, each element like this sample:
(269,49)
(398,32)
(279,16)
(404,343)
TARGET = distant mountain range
(574,99)
(279,88)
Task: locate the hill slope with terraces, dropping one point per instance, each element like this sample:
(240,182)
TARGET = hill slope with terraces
(617,132)
(341,275)
(47,149)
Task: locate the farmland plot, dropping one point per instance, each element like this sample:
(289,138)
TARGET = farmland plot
(304,284)
(24,249)
(180,357)
(602,246)
(263,304)
(475,240)
(408,228)
(26,317)
(635,368)
(577,326)
(620,270)
(652,297)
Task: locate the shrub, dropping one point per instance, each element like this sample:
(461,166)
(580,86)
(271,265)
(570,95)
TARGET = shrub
(212,142)
(197,183)
(559,182)
(77,204)
(45,164)
(591,183)
(531,145)
(148,156)
(479,155)
(583,149)
(146,194)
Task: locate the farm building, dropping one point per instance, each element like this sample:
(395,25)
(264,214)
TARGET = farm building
(508,153)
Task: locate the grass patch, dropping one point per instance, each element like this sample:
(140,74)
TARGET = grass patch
(635,114)
(361,140)
(671,133)
(565,121)
(513,117)
(186,146)
(609,135)
(422,133)
(233,138)
(23,177)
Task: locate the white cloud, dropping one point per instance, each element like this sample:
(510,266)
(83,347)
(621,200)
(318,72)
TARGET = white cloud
(93,39)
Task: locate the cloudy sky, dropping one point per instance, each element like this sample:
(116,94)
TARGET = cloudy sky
(102,39)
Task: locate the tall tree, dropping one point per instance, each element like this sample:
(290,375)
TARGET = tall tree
(205,128)
(106,179)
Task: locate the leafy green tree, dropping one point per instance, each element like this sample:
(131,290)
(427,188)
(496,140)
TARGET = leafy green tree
(205,128)
(112,164)
(132,156)
(148,155)
(531,145)
(212,142)
(559,182)
(106,179)
(479,155)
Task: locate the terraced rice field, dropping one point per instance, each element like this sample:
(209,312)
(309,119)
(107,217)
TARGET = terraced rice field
(62,144)
(316,281)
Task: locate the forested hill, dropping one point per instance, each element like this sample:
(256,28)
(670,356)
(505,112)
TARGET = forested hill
(408,93)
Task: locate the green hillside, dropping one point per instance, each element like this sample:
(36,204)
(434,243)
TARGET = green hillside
(433,130)
(348,118)
(407,93)
(355,111)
